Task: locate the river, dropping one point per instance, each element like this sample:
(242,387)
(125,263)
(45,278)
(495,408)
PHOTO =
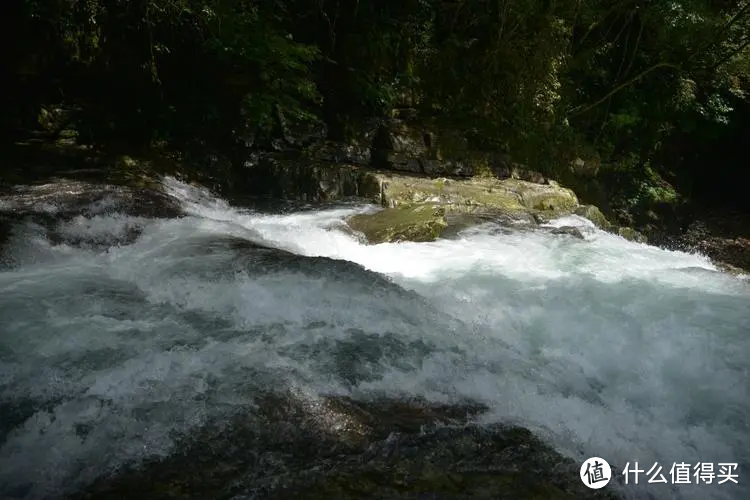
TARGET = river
(121,330)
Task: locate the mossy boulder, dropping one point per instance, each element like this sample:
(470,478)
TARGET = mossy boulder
(511,195)
(454,194)
(630,234)
(417,206)
(418,223)
(549,198)
(592,213)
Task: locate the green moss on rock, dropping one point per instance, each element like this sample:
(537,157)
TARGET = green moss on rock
(592,213)
(630,234)
(550,198)
(419,223)
(417,205)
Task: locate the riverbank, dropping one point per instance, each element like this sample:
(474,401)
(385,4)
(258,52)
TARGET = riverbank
(417,205)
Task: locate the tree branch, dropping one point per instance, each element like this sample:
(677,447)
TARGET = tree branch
(731,55)
(635,48)
(718,37)
(582,109)
(596,24)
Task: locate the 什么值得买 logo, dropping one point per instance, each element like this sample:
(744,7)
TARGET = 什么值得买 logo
(596,473)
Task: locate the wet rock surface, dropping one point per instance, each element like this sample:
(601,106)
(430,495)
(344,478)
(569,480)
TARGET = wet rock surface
(724,237)
(63,209)
(340,448)
(70,197)
(422,208)
(569,231)
(420,223)
(592,213)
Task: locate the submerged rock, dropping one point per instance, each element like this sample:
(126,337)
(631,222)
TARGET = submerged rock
(322,448)
(570,231)
(513,222)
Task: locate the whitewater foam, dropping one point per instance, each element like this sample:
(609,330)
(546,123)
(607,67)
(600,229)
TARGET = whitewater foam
(604,346)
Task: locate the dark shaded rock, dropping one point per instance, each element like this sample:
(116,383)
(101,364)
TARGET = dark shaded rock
(66,198)
(722,236)
(732,253)
(301,134)
(297,176)
(420,147)
(357,153)
(341,448)
(6,229)
(522,173)
(570,231)
(399,146)
(585,167)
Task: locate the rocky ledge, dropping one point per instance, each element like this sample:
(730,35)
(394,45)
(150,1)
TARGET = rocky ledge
(419,207)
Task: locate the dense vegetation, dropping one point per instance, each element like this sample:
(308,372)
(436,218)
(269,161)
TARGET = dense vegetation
(651,89)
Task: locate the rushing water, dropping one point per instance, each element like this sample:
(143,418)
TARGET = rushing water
(122,330)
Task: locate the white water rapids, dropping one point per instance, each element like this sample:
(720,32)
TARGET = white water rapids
(604,347)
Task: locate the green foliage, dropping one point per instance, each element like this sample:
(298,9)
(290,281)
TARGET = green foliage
(171,69)
(634,79)
(496,66)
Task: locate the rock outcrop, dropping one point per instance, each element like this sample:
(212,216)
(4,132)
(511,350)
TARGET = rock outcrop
(341,448)
(423,208)
(418,223)
(722,236)
(418,208)
(423,175)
